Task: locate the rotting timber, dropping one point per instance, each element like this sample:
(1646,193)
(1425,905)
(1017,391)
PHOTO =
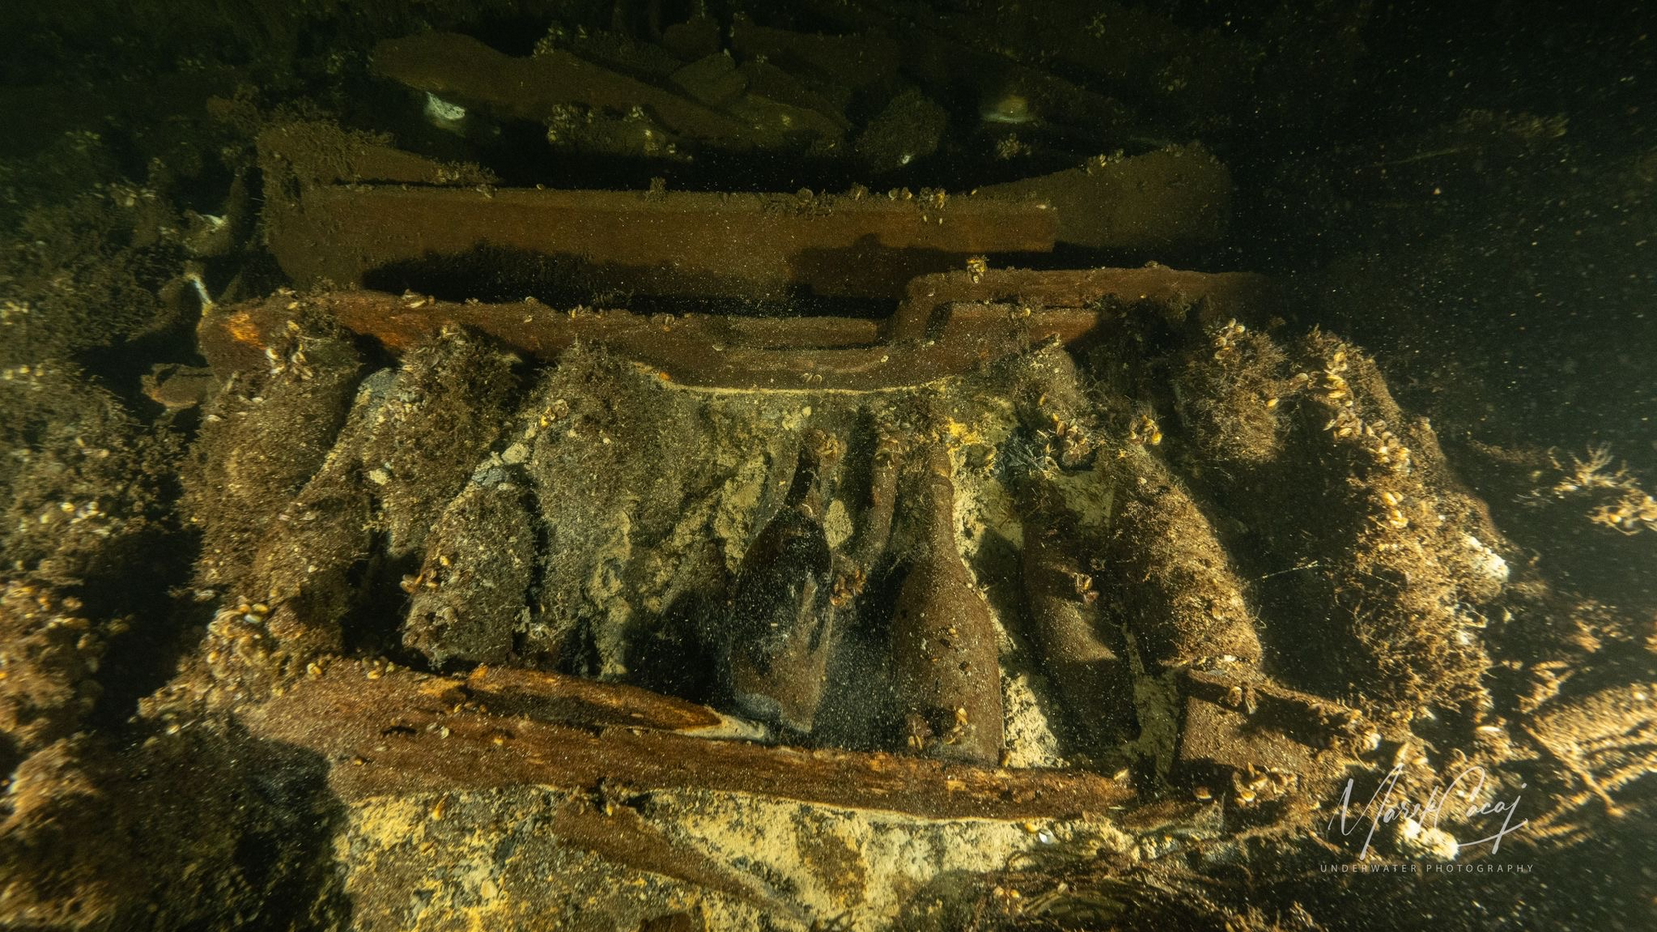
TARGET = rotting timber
(343,207)
(948,324)
(400,732)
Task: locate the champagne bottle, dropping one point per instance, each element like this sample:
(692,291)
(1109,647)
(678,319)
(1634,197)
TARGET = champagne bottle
(780,619)
(944,640)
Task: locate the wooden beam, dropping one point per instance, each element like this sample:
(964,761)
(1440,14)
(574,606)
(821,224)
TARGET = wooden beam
(401,732)
(950,324)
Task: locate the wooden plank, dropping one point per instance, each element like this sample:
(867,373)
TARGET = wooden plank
(401,732)
(752,246)
(697,350)
(1179,294)
(950,325)
(555,697)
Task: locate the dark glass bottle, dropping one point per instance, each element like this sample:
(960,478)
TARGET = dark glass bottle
(780,620)
(944,642)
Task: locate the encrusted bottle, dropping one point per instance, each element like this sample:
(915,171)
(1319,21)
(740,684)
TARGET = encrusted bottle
(1080,651)
(944,640)
(780,618)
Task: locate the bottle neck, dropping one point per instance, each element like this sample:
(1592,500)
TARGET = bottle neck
(806,491)
(940,496)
